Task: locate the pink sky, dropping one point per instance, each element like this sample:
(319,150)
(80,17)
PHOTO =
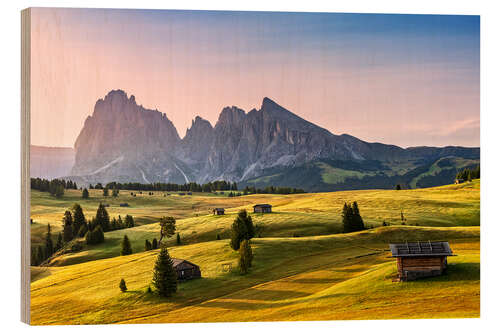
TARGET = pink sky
(407,94)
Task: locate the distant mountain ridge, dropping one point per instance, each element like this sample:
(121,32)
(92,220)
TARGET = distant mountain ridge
(125,142)
(51,162)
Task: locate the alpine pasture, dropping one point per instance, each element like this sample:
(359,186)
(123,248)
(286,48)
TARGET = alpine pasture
(304,267)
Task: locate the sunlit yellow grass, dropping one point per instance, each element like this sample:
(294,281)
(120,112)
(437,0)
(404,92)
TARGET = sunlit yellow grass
(293,215)
(345,276)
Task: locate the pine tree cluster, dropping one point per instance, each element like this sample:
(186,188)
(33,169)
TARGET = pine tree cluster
(351,218)
(468,174)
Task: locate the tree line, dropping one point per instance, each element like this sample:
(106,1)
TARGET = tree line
(218,185)
(272,190)
(469,174)
(55,187)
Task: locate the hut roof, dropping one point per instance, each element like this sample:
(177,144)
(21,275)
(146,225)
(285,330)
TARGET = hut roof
(417,249)
(177,262)
(262,205)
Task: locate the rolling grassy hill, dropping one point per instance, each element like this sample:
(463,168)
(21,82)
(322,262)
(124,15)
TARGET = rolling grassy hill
(298,215)
(343,276)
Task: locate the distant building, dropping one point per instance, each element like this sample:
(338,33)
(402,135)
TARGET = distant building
(459,181)
(262,208)
(218,211)
(182,193)
(124,204)
(420,259)
(186,270)
(189,193)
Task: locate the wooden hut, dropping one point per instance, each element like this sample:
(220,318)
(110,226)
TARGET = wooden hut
(218,211)
(186,270)
(420,259)
(262,208)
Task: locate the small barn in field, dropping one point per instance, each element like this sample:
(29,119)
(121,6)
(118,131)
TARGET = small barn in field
(186,270)
(262,208)
(218,211)
(417,260)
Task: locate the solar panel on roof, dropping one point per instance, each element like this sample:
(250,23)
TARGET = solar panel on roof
(421,248)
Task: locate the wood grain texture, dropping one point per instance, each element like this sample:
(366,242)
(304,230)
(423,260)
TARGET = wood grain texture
(25,162)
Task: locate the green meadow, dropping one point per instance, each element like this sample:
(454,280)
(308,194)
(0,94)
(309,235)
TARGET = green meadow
(304,267)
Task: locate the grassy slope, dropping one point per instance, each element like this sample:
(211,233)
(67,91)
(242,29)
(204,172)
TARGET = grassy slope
(300,215)
(345,276)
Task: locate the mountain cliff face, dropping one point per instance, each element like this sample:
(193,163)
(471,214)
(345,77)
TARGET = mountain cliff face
(124,142)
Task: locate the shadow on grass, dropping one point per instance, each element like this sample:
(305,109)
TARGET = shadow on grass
(315,280)
(268,295)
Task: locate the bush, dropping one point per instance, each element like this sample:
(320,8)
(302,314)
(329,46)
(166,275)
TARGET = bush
(123,285)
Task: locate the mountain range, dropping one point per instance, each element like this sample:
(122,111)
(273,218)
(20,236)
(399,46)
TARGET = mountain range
(125,142)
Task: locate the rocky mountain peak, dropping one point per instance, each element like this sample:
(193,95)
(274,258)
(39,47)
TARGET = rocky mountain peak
(123,141)
(230,115)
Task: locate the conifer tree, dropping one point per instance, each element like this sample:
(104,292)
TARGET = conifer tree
(218,237)
(40,255)
(83,230)
(59,192)
(129,221)
(246,256)
(120,223)
(105,192)
(178,239)
(67,226)
(351,218)
(147,245)
(123,285)
(154,244)
(34,257)
(126,247)
(167,224)
(85,193)
(164,274)
(241,229)
(59,243)
(115,192)
(78,218)
(114,224)
(357,222)
(102,217)
(49,247)
(98,235)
